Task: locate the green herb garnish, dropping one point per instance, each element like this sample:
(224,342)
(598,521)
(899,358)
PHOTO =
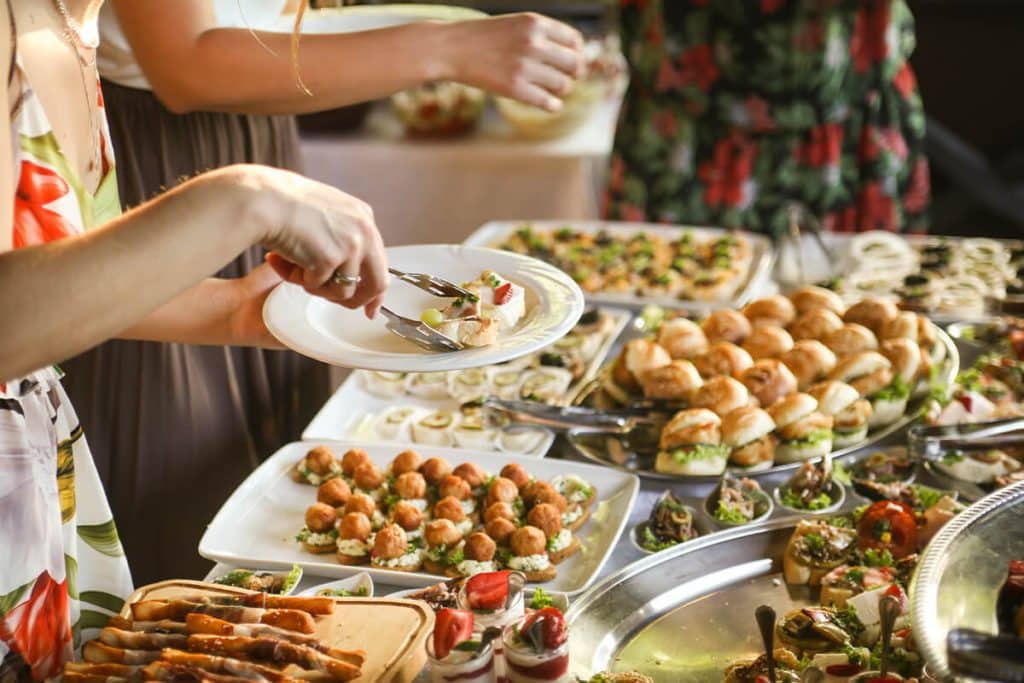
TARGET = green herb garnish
(540,599)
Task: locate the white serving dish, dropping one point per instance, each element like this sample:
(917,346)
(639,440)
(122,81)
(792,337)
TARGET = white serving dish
(257,525)
(758,275)
(353,409)
(352,583)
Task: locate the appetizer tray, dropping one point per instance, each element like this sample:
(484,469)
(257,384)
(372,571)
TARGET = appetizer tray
(961,572)
(613,451)
(357,407)
(741,287)
(973,276)
(686,613)
(391,632)
(257,525)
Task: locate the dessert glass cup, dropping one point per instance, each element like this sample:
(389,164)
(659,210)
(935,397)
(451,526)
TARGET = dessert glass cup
(503,616)
(461,667)
(524,665)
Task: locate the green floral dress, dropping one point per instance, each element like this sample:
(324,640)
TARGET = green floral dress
(736,107)
(62,569)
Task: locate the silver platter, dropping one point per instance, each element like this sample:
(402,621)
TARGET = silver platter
(961,572)
(609,450)
(686,613)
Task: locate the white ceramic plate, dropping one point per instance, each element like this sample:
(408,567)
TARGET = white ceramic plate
(351,412)
(257,525)
(333,334)
(352,583)
(757,276)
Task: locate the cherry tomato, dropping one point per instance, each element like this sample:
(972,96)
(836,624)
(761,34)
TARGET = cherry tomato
(488,590)
(844,670)
(888,525)
(553,631)
(452,626)
(503,294)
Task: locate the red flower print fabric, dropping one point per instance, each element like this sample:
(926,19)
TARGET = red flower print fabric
(736,109)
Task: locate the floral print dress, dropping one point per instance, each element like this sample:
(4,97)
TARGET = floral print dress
(737,107)
(62,568)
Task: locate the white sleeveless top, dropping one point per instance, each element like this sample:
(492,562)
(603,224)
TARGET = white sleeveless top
(117,63)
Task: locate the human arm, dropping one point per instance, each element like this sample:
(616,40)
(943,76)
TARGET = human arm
(194,65)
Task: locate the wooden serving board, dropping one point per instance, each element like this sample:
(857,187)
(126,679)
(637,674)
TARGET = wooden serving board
(393,633)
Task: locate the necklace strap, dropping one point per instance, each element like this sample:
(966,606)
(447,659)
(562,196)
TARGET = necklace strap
(85,38)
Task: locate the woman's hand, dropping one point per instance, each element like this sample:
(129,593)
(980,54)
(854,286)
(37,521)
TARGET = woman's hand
(314,231)
(245,325)
(527,57)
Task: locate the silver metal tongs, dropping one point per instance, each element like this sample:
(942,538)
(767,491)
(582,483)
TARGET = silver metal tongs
(930,444)
(417,331)
(504,414)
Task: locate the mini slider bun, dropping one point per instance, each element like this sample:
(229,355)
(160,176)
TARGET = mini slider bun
(767,341)
(677,381)
(809,360)
(867,372)
(849,339)
(871,312)
(850,412)
(817,323)
(726,324)
(871,374)
(833,397)
(769,380)
(682,338)
(721,395)
(904,326)
(811,298)
(771,310)
(905,356)
(803,431)
(691,444)
(748,432)
(723,358)
(637,358)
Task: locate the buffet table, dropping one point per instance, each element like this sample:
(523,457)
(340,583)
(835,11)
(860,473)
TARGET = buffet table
(440,191)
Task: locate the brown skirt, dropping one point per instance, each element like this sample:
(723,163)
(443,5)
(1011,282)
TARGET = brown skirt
(174,428)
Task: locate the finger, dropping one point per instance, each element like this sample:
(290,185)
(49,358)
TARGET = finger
(288,271)
(552,80)
(565,60)
(531,93)
(562,33)
(374,272)
(373,308)
(345,291)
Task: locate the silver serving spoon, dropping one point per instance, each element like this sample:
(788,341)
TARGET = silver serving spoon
(765,616)
(888,609)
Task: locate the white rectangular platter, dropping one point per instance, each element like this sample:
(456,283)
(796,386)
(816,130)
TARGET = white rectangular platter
(493,234)
(352,411)
(256,527)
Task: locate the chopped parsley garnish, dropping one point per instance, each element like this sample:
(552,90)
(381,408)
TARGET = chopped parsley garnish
(878,558)
(540,599)
(728,513)
(846,618)
(815,543)
(649,541)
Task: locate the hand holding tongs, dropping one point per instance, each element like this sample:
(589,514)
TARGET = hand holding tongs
(932,443)
(417,331)
(504,414)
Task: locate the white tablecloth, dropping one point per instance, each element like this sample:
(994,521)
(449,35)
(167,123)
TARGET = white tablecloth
(440,191)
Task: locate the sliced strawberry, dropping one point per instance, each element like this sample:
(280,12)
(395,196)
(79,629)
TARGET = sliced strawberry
(488,590)
(545,629)
(451,627)
(503,294)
